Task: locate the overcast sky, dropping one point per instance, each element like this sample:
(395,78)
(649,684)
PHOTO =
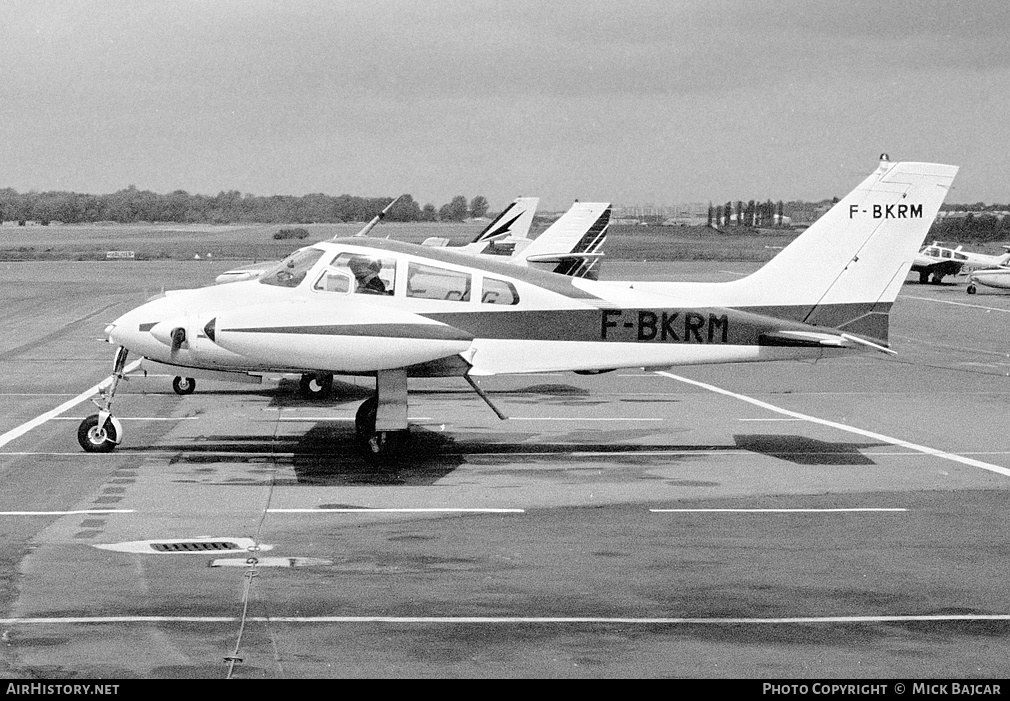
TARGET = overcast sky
(658,101)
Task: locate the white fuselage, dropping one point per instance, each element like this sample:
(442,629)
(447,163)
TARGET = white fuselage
(503,320)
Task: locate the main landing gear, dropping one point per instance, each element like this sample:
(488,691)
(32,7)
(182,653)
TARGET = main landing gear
(380,423)
(102,432)
(971,289)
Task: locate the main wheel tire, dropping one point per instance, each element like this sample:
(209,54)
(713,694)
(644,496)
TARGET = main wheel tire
(184,385)
(923,278)
(364,419)
(95,439)
(938,279)
(970,290)
(386,444)
(313,386)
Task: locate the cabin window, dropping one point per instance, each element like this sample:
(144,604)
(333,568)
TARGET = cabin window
(333,281)
(359,273)
(960,256)
(499,292)
(945,253)
(932,253)
(429,282)
(292,270)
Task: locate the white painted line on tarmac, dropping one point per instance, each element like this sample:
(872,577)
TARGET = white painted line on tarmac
(579,418)
(522,620)
(769,419)
(52,413)
(36,394)
(959,304)
(133,418)
(66,513)
(365,510)
(302,419)
(769,511)
(844,427)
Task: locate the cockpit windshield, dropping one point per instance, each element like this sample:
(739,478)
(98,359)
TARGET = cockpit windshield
(291,271)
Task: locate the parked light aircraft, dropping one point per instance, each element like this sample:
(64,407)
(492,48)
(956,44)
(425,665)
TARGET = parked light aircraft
(504,236)
(572,246)
(940,261)
(443,313)
(501,236)
(998,278)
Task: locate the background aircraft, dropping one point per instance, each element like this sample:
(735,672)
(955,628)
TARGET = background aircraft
(572,245)
(499,237)
(940,261)
(998,278)
(443,313)
(507,234)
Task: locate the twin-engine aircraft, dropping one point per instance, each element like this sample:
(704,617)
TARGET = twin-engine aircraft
(393,311)
(572,245)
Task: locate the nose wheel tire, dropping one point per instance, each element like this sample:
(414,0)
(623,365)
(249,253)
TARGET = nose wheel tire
(313,386)
(184,385)
(97,439)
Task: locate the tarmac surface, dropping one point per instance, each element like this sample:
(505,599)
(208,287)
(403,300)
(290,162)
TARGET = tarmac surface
(838,519)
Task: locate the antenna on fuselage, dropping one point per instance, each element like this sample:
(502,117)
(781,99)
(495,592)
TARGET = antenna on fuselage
(376,219)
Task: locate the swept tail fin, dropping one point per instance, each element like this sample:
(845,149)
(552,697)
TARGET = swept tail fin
(573,245)
(514,221)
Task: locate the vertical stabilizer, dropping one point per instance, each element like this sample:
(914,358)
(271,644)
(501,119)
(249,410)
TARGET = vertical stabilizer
(861,250)
(514,221)
(573,245)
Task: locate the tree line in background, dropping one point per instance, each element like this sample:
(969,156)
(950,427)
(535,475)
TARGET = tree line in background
(978,222)
(750,214)
(980,228)
(133,205)
(970,222)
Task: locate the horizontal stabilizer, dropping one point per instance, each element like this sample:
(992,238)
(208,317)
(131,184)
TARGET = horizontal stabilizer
(561,257)
(817,339)
(580,233)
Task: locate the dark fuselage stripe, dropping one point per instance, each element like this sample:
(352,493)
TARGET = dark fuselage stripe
(436,332)
(666,325)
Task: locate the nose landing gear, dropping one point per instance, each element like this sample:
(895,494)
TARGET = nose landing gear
(102,432)
(184,385)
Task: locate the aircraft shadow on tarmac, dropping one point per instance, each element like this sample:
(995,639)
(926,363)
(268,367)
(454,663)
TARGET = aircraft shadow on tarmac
(802,450)
(326,455)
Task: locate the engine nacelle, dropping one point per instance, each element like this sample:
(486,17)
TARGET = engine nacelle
(337,336)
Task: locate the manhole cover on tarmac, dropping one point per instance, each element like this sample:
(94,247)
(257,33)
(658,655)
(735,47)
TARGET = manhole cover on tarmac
(185,545)
(195,546)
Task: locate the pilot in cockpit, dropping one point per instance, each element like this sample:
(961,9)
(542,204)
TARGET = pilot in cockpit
(366,273)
